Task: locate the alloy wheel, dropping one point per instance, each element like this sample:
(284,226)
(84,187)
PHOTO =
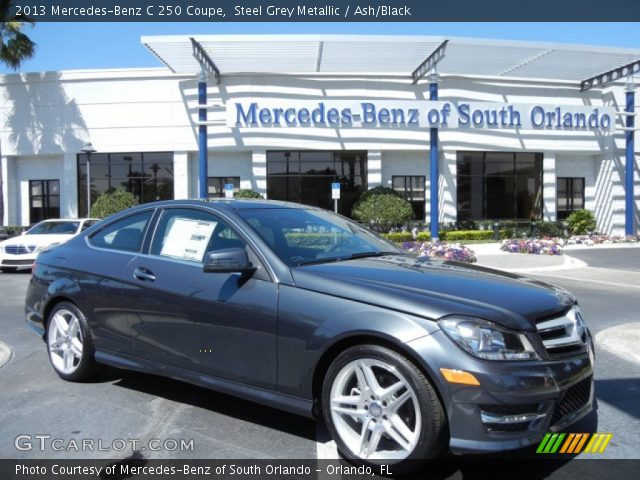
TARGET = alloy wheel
(375,410)
(65,341)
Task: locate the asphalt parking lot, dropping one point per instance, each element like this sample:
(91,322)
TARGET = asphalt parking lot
(123,405)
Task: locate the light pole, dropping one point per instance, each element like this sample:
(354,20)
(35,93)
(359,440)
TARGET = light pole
(88,150)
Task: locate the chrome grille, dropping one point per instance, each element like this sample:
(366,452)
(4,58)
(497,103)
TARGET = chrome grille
(564,334)
(19,249)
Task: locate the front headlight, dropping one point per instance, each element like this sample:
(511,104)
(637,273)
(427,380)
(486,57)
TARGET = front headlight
(488,341)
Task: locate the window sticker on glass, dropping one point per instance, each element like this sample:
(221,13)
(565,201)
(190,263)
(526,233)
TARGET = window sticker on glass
(187,238)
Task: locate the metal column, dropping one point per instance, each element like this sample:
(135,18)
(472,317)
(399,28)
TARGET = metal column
(202,137)
(630,163)
(433,164)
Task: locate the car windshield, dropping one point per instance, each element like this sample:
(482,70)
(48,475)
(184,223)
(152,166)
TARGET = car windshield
(303,237)
(54,228)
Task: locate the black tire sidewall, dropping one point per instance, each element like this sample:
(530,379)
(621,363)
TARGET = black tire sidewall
(430,442)
(87,365)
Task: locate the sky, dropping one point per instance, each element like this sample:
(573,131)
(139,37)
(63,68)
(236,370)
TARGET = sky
(71,46)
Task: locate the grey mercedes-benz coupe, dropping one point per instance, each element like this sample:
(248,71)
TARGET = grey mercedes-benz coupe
(304,310)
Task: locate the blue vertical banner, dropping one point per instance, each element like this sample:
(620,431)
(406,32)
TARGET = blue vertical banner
(433,165)
(629,228)
(202,138)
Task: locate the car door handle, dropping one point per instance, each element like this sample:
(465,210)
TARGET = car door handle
(144,274)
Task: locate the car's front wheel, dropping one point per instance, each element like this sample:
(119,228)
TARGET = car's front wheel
(381,409)
(8,269)
(69,343)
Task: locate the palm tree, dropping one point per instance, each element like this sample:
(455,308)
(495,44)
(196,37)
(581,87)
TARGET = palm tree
(15,47)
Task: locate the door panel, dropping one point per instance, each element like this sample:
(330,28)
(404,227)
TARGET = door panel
(216,323)
(114,247)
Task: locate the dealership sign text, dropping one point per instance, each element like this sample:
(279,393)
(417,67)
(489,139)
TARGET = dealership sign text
(417,114)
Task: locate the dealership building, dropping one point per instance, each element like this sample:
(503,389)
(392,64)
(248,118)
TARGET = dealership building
(465,129)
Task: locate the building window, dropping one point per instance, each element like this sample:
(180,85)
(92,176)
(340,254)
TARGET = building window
(412,189)
(149,176)
(306,177)
(499,185)
(570,195)
(44,200)
(215,186)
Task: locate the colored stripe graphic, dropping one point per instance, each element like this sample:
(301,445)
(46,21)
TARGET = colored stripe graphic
(569,441)
(597,443)
(543,443)
(550,443)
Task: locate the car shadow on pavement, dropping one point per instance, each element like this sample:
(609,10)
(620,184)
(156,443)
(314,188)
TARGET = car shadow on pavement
(621,393)
(220,403)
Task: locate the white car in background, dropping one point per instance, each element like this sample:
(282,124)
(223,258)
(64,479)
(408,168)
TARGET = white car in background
(21,251)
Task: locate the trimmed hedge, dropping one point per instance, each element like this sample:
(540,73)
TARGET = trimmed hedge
(398,237)
(458,235)
(449,235)
(311,240)
(248,194)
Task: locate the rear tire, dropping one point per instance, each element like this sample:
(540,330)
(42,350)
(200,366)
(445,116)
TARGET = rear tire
(381,409)
(8,269)
(69,343)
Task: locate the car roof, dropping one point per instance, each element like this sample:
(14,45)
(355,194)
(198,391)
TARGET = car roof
(51,220)
(233,204)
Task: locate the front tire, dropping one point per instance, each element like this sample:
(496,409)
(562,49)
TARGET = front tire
(8,269)
(69,344)
(381,409)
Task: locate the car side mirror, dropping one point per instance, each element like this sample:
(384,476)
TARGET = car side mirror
(228,260)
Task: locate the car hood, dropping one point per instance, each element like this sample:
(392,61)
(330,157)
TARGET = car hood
(36,240)
(433,288)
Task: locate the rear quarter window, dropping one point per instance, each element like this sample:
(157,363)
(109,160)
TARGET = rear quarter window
(125,234)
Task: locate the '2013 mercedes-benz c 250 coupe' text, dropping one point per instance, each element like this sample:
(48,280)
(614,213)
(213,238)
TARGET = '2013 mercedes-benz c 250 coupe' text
(304,310)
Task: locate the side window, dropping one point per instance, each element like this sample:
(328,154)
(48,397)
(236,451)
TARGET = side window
(189,234)
(125,234)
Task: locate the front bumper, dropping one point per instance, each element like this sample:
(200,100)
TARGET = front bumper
(8,260)
(516,402)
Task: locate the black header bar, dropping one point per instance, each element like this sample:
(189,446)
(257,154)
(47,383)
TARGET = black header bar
(327,10)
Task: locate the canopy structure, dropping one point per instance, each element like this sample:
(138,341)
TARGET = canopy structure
(386,54)
(414,56)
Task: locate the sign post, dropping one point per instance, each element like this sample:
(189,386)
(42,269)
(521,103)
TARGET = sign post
(228,190)
(335,195)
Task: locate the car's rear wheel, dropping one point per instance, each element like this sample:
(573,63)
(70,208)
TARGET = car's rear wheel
(8,269)
(69,343)
(381,409)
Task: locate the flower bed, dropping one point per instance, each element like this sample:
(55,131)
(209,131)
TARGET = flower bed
(595,239)
(547,246)
(456,252)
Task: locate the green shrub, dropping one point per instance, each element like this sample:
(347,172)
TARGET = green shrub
(462,235)
(398,237)
(383,211)
(581,222)
(379,190)
(12,230)
(312,240)
(112,202)
(424,237)
(248,194)
(549,229)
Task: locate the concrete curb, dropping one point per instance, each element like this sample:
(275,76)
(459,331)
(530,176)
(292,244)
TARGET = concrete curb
(568,264)
(621,340)
(5,353)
